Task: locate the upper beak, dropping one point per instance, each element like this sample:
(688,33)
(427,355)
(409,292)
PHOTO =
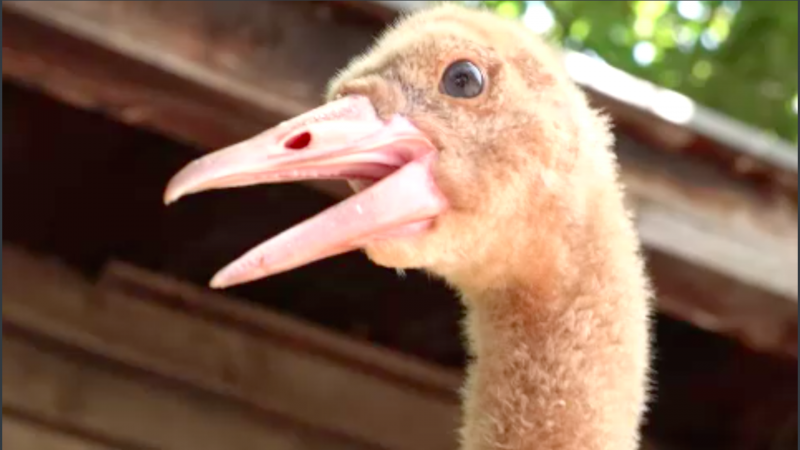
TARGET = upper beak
(344,139)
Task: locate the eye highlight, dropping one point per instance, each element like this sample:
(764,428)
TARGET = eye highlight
(462,79)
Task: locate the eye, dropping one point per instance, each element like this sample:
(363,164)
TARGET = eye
(462,79)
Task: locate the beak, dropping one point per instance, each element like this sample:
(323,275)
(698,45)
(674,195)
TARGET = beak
(344,139)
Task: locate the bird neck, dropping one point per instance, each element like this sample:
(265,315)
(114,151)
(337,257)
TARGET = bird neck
(562,364)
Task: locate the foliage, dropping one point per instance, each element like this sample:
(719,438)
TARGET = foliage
(739,58)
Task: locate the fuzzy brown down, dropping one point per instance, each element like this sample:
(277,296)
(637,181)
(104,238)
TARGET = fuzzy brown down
(537,240)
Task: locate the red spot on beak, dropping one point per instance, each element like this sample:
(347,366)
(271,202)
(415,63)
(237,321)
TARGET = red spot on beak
(299,141)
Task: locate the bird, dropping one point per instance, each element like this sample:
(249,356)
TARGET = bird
(474,157)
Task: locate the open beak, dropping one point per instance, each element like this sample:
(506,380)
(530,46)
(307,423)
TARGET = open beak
(387,162)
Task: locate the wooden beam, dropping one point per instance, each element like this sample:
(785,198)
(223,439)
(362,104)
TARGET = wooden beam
(21,434)
(336,392)
(89,400)
(723,250)
(140,361)
(414,374)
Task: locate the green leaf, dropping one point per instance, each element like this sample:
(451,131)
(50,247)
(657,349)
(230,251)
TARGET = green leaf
(749,73)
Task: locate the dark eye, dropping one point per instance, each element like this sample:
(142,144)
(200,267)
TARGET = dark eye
(462,79)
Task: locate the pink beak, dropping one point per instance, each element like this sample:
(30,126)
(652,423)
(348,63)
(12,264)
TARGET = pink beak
(343,139)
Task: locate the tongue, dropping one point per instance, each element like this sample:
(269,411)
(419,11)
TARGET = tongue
(406,197)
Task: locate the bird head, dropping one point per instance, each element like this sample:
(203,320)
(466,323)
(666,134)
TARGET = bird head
(458,130)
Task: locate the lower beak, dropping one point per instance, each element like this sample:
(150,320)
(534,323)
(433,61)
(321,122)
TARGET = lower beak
(343,139)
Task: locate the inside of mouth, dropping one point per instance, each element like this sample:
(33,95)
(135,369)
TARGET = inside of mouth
(360,184)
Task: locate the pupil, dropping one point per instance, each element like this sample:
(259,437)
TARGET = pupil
(462,80)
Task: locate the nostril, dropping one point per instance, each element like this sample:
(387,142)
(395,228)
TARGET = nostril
(299,141)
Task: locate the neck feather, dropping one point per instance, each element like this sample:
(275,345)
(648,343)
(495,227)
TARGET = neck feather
(562,365)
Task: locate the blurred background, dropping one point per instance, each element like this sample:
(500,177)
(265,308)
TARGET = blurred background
(111,340)
(734,57)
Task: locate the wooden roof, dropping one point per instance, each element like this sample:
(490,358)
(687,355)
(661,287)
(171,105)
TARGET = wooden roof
(138,360)
(105,101)
(722,243)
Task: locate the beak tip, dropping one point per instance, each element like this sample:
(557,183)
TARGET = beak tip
(218,282)
(171,196)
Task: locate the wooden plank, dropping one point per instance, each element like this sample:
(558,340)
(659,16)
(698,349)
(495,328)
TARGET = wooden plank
(76,384)
(228,359)
(127,279)
(70,392)
(20,434)
(204,72)
(697,216)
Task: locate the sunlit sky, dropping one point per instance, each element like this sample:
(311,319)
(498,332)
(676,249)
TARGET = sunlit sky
(538,18)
